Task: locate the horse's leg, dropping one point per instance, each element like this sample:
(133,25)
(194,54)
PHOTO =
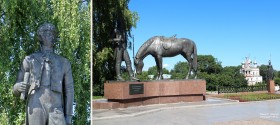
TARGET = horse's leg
(157,77)
(189,59)
(159,67)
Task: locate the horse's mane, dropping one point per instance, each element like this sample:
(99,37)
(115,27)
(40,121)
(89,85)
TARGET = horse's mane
(146,45)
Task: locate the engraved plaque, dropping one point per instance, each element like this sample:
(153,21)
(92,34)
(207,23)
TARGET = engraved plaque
(136,89)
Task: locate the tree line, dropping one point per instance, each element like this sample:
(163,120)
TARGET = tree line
(210,69)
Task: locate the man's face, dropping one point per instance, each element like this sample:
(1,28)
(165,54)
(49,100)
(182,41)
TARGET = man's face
(48,38)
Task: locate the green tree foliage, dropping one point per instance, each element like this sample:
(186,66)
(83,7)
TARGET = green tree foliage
(277,80)
(277,77)
(212,80)
(233,77)
(106,14)
(143,76)
(211,70)
(209,64)
(153,71)
(124,73)
(229,76)
(180,70)
(19,21)
(277,74)
(263,71)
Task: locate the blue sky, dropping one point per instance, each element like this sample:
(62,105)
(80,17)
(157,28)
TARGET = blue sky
(229,30)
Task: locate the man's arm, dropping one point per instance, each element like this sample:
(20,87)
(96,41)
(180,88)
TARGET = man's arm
(117,39)
(20,86)
(68,93)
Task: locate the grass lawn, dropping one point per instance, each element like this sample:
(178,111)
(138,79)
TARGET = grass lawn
(244,97)
(97,97)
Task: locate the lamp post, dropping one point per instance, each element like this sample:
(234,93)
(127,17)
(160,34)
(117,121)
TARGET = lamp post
(134,71)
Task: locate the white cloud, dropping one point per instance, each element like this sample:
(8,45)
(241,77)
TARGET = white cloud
(166,65)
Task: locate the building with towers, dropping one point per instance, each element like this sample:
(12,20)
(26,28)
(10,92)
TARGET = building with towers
(251,71)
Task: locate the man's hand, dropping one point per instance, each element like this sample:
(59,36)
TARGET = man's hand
(20,86)
(68,119)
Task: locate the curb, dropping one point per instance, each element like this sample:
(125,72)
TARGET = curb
(260,101)
(161,109)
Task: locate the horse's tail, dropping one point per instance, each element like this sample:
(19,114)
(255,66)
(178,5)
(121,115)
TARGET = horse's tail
(194,58)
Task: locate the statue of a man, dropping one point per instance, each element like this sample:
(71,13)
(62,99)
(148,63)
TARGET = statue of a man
(122,54)
(270,72)
(49,89)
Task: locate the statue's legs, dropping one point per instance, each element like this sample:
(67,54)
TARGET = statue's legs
(119,56)
(189,59)
(45,108)
(128,65)
(36,116)
(159,67)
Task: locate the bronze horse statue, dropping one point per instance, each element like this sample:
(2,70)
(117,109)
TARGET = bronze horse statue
(160,46)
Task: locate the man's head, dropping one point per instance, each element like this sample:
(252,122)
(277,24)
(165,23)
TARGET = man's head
(47,34)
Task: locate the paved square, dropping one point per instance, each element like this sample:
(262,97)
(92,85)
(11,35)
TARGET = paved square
(213,111)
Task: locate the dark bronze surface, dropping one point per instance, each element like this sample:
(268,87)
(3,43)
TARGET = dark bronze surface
(270,71)
(122,54)
(50,86)
(160,46)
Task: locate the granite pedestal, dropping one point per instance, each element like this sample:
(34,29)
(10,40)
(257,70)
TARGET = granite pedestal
(271,86)
(127,94)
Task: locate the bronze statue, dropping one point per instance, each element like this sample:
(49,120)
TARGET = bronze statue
(122,54)
(45,80)
(160,46)
(270,72)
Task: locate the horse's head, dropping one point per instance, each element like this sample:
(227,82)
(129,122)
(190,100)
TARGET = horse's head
(138,63)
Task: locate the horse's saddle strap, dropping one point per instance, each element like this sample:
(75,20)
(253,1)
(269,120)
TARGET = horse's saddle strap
(167,44)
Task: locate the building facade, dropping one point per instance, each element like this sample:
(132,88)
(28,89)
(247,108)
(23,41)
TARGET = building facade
(251,71)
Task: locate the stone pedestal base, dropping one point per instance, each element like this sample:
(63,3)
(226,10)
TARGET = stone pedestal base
(271,86)
(119,94)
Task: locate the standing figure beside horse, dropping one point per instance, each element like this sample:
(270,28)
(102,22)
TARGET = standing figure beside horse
(160,46)
(121,54)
